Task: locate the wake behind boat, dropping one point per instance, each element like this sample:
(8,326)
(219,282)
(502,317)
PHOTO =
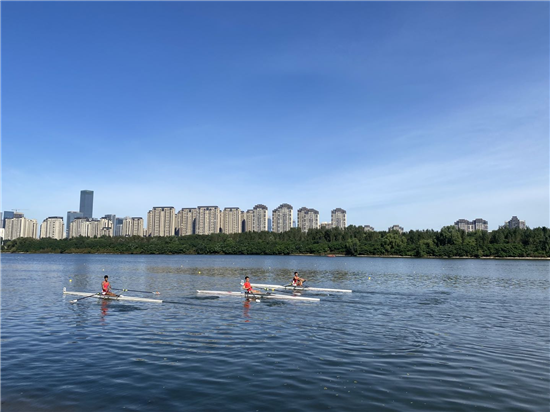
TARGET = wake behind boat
(299,288)
(258,296)
(98,295)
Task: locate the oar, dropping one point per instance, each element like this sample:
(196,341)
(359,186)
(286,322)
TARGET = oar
(85,297)
(139,291)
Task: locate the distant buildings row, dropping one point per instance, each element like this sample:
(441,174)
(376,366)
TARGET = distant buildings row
(164,221)
(480,224)
(202,220)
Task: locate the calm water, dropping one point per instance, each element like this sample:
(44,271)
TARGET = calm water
(415,335)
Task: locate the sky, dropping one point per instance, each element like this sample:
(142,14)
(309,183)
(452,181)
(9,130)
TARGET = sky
(408,113)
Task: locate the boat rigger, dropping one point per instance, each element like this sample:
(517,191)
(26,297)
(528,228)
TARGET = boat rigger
(258,296)
(300,288)
(100,296)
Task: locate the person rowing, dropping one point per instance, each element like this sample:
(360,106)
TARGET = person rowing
(248,287)
(106,287)
(297,281)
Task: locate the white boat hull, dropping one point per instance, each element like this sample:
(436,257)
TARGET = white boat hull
(121,297)
(300,288)
(255,295)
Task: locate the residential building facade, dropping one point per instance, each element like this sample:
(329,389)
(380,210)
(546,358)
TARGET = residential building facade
(282,218)
(248,221)
(308,219)
(71,215)
(52,227)
(208,220)
(186,220)
(231,221)
(19,226)
(467,226)
(260,215)
(396,228)
(161,221)
(515,223)
(338,218)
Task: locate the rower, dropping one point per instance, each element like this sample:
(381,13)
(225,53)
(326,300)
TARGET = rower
(297,281)
(106,287)
(248,287)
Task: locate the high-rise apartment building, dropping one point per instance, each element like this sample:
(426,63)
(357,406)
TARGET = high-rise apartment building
(127,227)
(19,226)
(186,220)
(231,220)
(112,218)
(70,217)
(208,220)
(481,224)
(132,226)
(515,223)
(82,226)
(161,221)
(87,203)
(308,219)
(52,227)
(106,226)
(260,215)
(248,220)
(338,218)
(396,228)
(138,229)
(467,226)
(368,228)
(464,224)
(282,218)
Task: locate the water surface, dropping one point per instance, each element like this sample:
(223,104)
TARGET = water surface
(415,335)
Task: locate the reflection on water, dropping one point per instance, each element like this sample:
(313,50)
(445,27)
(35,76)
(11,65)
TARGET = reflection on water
(416,334)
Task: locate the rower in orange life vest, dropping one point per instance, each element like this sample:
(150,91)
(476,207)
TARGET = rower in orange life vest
(106,287)
(248,287)
(297,281)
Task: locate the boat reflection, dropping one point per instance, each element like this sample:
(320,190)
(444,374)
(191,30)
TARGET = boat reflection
(246,309)
(104,309)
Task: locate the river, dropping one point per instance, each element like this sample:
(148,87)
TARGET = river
(415,335)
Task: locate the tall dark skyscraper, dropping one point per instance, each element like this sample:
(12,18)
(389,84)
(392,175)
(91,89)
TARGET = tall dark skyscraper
(87,203)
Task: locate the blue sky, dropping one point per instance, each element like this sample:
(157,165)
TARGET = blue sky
(416,114)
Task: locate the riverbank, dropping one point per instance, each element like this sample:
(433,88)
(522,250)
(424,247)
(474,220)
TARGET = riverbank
(295,254)
(447,243)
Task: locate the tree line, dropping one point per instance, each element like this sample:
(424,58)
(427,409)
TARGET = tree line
(351,241)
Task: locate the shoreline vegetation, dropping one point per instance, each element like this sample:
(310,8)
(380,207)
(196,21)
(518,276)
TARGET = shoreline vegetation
(449,242)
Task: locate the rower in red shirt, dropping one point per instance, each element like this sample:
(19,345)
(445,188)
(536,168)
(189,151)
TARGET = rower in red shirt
(106,287)
(297,281)
(248,287)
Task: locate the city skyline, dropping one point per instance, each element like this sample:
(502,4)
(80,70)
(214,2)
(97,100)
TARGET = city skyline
(416,114)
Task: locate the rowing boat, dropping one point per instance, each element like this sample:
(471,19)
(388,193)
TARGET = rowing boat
(100,296)
(300,288)
(256,295)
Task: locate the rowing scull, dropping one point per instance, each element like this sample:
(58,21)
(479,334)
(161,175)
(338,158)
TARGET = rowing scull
(300,288)
(256,295)
(121,297)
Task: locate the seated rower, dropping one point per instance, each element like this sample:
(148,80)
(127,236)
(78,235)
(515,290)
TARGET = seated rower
(248,287)
(297,281)
(106,287)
